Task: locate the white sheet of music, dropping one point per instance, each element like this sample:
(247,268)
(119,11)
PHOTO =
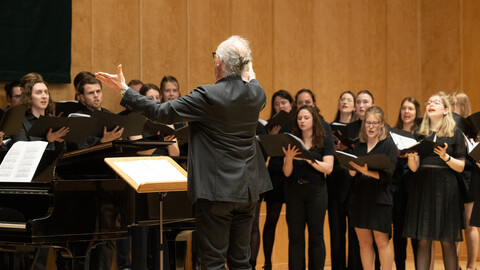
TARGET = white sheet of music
(145,171)
(402,142)
(21,161)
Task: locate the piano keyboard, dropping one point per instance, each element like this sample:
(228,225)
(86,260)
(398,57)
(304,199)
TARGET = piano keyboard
(20,226)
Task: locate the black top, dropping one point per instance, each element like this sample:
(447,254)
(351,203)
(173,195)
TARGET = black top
(456,147)
(382,190)
(27,123)
(303,170)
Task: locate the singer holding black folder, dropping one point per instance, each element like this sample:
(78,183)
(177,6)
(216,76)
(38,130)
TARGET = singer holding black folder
(338,189)
(306,189)
(281,101)
(226,172)
(435,208)
(371,198)
(39,102)
(408,120)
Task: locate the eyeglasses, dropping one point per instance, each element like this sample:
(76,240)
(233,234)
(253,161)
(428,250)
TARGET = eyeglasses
(373,124)
(434,102)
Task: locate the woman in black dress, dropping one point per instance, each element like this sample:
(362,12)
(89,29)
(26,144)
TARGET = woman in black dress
(338,189)
(408,119)
(371,197)
(281,101)
(461,106)
(435,208)
(306,190)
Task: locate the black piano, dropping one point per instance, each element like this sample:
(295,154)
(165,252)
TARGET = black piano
(76,202)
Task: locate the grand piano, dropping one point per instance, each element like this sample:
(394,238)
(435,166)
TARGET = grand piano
(76,202)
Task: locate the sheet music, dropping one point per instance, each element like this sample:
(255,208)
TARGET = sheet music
(145,171)
(402,142)
(470,145)
(21,161)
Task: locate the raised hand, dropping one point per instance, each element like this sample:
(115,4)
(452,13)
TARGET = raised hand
(57,135)
(115,81)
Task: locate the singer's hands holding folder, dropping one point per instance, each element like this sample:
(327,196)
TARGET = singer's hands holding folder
(441,151)
(364,170)
(58,135)
(112,135)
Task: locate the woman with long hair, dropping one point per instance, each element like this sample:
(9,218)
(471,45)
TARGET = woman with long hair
(461,106)
(338,189)
(435,208)
(281,101)
(371,199)
(306,190)
(408,119)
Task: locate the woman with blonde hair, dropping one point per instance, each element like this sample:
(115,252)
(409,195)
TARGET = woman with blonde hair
(371,197)
(461,107)
(435,209)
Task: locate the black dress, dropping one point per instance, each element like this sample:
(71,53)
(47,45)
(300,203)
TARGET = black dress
(475,189)
(435,207)
(371,199)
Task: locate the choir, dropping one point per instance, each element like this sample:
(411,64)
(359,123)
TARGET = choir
(424,196)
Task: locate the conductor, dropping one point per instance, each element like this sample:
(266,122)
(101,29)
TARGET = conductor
(225,173)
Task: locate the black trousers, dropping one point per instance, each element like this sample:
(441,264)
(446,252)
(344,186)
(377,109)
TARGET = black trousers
(400,200)
(306,204)
(337,221)
(223,233)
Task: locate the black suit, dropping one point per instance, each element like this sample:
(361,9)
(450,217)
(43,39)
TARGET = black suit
(224,165)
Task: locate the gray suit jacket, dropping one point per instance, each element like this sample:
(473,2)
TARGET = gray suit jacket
(224,161)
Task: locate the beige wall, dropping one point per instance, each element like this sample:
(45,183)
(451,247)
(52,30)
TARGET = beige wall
(394,48)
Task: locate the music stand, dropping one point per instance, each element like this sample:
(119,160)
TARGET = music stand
(144,176)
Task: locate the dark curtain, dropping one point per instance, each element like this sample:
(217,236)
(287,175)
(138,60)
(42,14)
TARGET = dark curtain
(35,36)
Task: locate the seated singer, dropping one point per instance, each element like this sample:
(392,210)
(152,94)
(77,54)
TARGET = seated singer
(224,168)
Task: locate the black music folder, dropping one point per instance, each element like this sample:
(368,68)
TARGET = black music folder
(347,133)
(65,108)
(154,127)
(132,123)
(80,127)
(12,119)
(277,120)
(423,148)
(374,162)
(272,145)
(470,126)
(402,139)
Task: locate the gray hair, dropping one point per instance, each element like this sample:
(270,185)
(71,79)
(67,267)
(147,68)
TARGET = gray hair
(235,54)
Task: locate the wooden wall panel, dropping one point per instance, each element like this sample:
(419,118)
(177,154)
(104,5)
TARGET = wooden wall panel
(368,46)
(208,25)
(253,20)
(164,41)
(440,41)
(471,52)
(403,67)
(292,45)
(115,40)
(331,53)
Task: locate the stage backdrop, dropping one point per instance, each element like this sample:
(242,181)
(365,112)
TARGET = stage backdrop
(35,37)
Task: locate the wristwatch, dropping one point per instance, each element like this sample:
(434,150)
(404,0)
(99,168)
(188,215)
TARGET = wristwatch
(123,91)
